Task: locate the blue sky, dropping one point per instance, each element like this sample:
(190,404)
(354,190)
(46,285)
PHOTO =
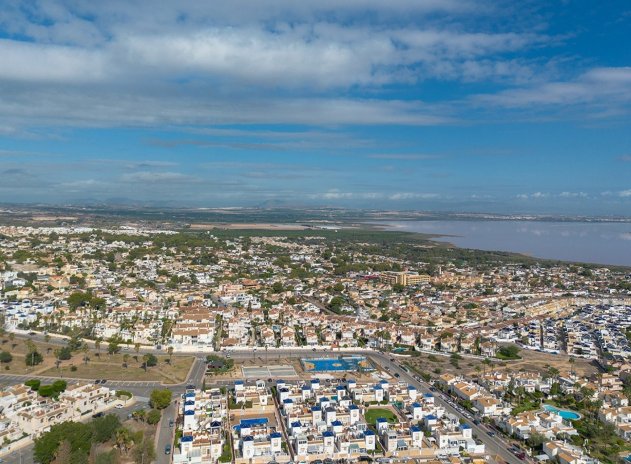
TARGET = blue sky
(519,106)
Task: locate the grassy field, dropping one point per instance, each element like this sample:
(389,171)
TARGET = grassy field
(374,413)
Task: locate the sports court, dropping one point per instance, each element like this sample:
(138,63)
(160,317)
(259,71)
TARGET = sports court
(264,372)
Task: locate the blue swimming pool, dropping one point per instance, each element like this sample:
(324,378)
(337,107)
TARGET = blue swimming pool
(564,413)
(341,364)
(251,422)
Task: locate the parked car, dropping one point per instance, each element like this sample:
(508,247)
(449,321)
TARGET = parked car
(167,449)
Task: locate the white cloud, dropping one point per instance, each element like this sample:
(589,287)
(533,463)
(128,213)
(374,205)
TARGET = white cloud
(52,63)
(413,196)
(596,86)
(573,195)
(96,108)
(83,185)
(276,61)
(152,177)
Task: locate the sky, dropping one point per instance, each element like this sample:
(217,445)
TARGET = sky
(445,105)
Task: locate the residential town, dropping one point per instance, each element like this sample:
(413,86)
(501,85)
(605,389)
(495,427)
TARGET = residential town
(450,333)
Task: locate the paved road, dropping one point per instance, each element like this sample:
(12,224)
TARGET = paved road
(166,433)
(494,445)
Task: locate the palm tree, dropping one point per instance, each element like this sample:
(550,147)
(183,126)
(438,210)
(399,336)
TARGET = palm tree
(170,351)
(97,344)
(123,440)
(145,359)
(57,352)
(86,349)
(125,359)
(137,348)
(31,349)
(139,415)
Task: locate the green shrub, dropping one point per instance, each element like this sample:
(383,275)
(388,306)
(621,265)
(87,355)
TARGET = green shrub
(46,391)
(59,385)
(33,383)
(153,417)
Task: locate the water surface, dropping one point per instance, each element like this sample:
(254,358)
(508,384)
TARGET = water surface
(590,242)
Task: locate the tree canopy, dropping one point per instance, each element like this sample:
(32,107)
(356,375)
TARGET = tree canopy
(160,399)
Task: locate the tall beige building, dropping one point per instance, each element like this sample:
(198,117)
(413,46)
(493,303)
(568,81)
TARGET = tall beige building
(404,278)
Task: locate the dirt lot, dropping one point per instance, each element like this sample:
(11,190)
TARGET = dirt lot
(111,367)
(531,361)
(99,365)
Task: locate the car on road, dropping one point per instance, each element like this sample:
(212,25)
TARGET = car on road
(517,452)
(103,381)
(171,423)
(167,449)
(313,349)
(119,406)
(32,333)
(396,374)
(97,381)
(97,415)
(490,433)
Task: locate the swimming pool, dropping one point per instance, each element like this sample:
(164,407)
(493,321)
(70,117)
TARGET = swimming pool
(251,423)
(341,364)
(564,413)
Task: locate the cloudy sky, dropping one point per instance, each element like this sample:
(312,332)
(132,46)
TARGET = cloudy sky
(516,106)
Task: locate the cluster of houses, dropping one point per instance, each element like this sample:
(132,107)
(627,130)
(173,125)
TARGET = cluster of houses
(25,415)
(313,420)
(255,296)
